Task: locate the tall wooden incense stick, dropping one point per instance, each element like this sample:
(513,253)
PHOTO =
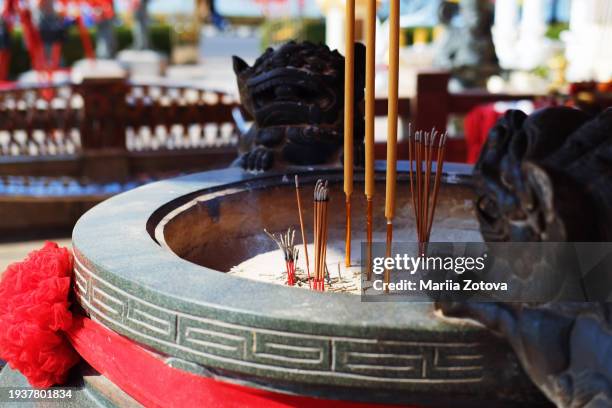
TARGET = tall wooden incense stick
(302,228)
(349,97)
(370,116)
(392,125)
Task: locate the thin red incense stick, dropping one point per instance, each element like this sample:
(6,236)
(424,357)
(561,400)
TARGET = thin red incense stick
(421,147)
(439,166)
(388,253)
(369,237)
(321,196)
(290,252)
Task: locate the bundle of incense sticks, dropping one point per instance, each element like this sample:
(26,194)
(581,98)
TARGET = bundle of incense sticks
(422,147)
(286,243)
(321,199)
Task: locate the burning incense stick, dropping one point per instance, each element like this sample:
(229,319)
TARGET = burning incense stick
(321,199)
(421,149)
(302,228)
(392,123)
(370,116)
(349,97)
(286,244)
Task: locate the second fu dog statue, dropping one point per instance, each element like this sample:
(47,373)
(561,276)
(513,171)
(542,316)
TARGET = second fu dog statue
(547,177)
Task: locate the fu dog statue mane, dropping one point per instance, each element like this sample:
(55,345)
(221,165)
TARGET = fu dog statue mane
(295,95)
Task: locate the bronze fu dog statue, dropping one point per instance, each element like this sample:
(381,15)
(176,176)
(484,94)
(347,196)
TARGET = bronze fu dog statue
(295,96)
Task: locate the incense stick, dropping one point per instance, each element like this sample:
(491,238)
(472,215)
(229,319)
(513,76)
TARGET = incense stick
(370,122)
(347,248)
(302,228)
(321,198)
(323,239)
(439,164)
(369,237)
(421,149)
(324,247)
(286,243)
(388,253)
(392,119)
(349,116)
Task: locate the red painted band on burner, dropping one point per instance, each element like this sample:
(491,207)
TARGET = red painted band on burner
(150,381)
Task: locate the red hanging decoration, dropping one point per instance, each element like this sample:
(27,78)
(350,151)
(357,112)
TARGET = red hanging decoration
(88,49)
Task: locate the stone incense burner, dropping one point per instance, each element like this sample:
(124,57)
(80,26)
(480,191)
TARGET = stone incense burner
(150,263)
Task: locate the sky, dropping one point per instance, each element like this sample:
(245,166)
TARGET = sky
(252,8)
(428,13)
(228,7)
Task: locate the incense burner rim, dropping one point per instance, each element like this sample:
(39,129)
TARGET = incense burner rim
(206,320)
(138,213)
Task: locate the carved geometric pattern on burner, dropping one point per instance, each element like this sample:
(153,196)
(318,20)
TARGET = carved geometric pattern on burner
(398,359)
(212,342)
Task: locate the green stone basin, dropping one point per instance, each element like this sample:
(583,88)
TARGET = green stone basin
(150,263)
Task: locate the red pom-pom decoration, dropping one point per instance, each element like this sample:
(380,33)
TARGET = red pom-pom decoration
(34,310)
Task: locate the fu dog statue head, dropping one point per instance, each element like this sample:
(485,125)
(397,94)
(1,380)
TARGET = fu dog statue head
(295,95)
(546,177)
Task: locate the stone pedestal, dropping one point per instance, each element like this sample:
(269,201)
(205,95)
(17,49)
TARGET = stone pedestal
(143,63)
(96,69)
(505,32)
(587,42)
(534,49)
(521,43)
(334,33)
(89,390)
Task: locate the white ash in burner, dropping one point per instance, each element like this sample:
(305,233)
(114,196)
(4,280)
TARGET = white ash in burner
(269,267)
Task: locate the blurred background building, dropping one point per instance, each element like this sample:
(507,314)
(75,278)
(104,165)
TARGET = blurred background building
(99,96)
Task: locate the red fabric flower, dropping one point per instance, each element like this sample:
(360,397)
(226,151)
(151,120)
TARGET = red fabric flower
(34,310)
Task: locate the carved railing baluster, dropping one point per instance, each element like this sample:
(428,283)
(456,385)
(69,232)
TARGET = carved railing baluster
(101,114)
